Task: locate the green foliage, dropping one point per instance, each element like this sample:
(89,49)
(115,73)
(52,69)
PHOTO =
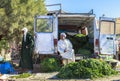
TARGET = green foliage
(81,44)
(84,52)
(50,65)
(78,41)
(80,35)
(87,68)
(24,75)
(4,44)
(16,14)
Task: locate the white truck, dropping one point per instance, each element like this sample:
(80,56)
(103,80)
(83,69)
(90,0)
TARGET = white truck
(101,32)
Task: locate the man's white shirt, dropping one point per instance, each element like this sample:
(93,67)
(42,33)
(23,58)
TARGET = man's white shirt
(65,45)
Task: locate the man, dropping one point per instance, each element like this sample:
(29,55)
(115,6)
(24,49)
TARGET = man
(65,49)
(84,30)
(26,62)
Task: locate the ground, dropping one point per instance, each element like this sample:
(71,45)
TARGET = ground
(38,76)
(50,77)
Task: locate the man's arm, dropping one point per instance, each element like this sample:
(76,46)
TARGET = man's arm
(69,45)
(60,50)
(31,41)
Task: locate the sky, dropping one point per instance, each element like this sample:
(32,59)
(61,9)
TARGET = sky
(110,8)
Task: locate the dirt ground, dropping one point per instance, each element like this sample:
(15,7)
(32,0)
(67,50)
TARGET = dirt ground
(38,76)
(50,77)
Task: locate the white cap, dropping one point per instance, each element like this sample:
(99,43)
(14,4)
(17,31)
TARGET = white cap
(63,34)
(25,29)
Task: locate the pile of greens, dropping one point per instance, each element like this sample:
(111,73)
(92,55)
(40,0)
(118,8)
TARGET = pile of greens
(24,75)
(50,65)
(84,52)
(81,42)
(86,68)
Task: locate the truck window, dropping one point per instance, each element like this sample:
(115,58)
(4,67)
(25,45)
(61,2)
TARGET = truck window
(44,25)
(107,27)
(118,27)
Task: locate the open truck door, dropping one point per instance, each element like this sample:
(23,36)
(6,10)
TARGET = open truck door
(46,34)
(107,36)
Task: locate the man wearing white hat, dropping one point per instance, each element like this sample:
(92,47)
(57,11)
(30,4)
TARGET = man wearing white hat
(65,49)
(26,51)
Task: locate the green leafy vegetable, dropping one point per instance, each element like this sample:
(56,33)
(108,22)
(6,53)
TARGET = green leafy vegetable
(24,75)
(50,65)
(87,68)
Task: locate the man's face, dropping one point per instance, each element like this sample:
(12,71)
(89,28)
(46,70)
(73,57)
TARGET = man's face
(22,32)
(62,37)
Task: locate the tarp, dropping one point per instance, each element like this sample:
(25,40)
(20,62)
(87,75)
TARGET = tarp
(6,68)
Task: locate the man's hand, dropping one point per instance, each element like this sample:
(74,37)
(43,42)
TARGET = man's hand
(65,50)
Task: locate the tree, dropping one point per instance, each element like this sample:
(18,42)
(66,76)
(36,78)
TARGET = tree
(16,14)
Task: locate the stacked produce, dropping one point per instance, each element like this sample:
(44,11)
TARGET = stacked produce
(50,65)
(86,68)
(81,44)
